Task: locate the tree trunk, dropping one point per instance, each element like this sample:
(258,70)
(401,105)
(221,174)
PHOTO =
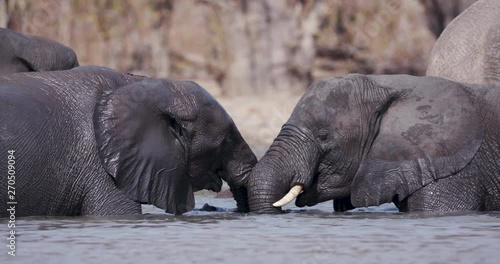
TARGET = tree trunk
(271,46)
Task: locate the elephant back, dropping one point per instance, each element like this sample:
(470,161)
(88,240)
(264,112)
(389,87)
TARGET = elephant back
(467,49)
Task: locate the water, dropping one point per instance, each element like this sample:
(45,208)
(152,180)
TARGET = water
(315,235)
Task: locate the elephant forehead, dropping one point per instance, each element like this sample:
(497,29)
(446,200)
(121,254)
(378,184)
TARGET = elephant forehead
(312,111)
(331,95)
(321,89)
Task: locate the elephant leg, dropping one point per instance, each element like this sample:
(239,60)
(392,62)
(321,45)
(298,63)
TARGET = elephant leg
(105,199)
(342,204)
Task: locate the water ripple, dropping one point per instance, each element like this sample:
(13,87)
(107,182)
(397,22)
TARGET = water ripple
(311,235)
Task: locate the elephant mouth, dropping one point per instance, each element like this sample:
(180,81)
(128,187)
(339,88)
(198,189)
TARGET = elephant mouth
(310,195)
(210,181)
(299,192)
(290,196)
(402,205)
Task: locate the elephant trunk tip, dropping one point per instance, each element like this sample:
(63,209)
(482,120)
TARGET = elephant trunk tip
(265,209)
(240,195)
(264,204)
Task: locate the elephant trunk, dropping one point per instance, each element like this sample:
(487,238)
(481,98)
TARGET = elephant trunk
(238,164)
(266,185)
(286,168)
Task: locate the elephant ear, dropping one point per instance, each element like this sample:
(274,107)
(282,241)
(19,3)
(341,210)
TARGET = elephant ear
(430,133)
(141,144)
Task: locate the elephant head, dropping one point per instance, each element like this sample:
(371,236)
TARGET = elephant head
(367,140)
(33,53)
(162,140)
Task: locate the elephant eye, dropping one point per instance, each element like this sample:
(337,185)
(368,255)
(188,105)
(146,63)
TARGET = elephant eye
(322,135)
(176,128)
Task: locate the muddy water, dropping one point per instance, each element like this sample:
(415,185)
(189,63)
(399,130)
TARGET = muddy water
(316,235)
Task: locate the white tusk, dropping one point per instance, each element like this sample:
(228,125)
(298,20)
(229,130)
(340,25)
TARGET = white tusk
(292,194)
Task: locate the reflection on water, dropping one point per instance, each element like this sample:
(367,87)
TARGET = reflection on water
(314,235)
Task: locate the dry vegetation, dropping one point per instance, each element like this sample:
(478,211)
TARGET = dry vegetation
(373,37)
(125,35)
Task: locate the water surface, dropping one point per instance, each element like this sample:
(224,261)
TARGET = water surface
(314,235)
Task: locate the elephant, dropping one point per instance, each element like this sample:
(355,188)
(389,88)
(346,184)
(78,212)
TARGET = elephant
(94,141)
(439,13)
(25,53)
(425,143)
(468,50)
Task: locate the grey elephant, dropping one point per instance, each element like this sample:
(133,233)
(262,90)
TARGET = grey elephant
(439,13)
(24,53)
(93,141)
(424,143)
(468,50)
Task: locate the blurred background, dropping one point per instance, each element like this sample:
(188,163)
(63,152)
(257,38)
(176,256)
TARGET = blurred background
(257,57)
